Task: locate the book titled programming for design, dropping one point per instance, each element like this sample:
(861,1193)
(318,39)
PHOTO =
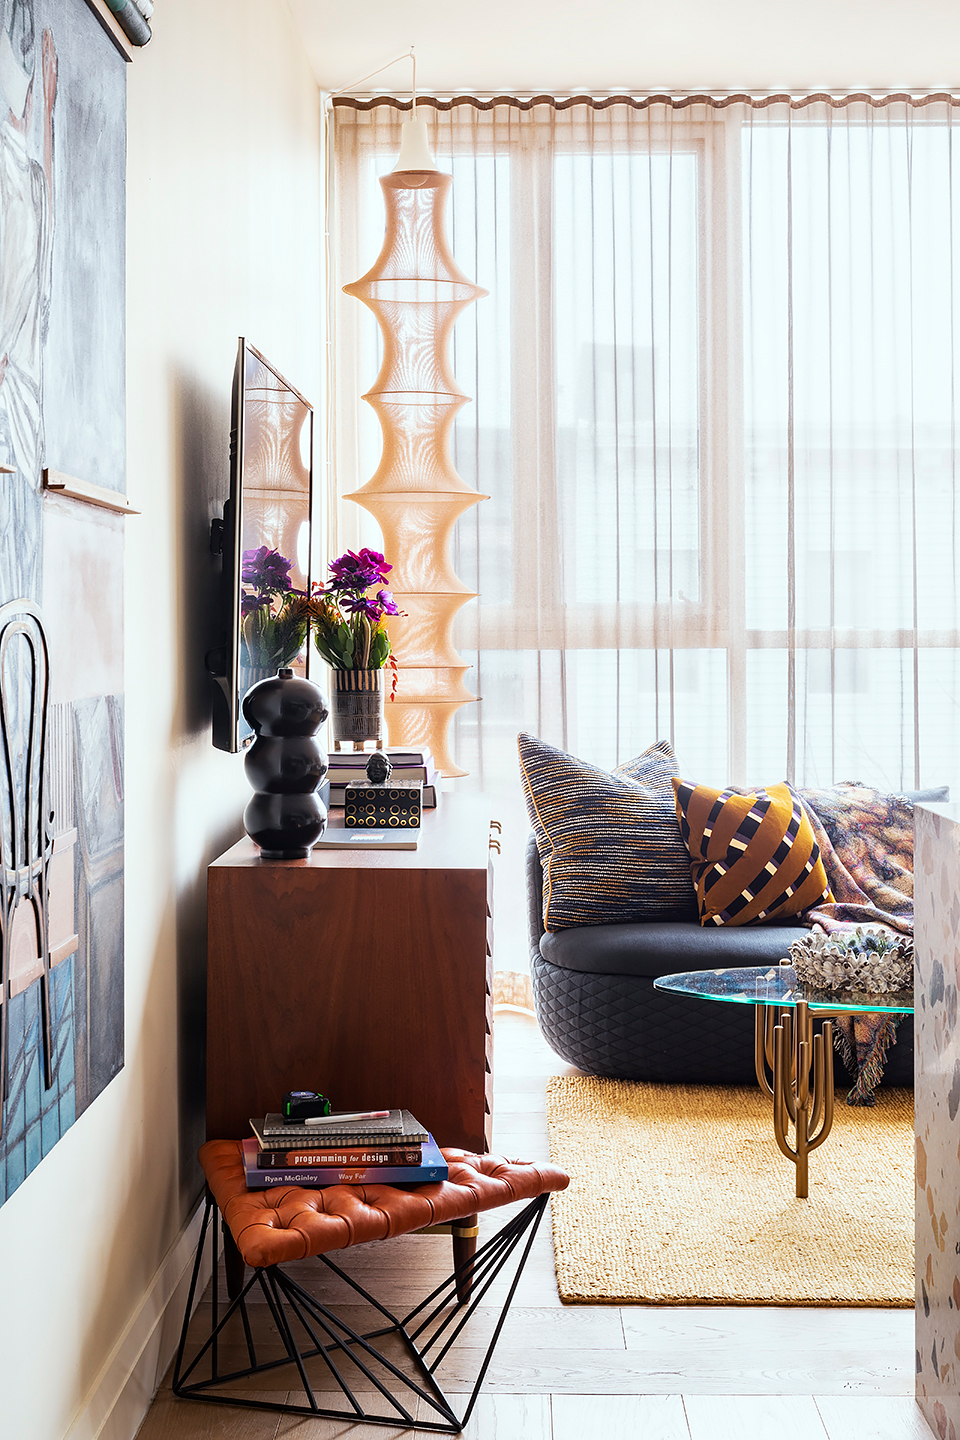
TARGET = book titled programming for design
(433,1167)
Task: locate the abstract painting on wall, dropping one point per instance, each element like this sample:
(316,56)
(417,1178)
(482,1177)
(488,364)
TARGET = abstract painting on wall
(62,187)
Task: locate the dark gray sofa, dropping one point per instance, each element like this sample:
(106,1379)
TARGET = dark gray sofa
(596,1005)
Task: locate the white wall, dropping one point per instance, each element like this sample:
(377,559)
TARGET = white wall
(224,239)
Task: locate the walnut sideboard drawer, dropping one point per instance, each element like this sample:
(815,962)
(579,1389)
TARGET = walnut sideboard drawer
(361,975)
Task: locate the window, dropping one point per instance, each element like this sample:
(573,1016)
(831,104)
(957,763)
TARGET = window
(716,395)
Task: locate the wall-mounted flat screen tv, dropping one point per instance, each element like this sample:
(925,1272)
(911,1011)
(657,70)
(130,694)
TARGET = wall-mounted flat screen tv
(264,540)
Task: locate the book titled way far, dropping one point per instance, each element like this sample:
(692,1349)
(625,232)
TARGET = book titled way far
(432,1167)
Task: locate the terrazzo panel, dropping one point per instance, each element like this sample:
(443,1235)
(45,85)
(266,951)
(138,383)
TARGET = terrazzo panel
(937,1062)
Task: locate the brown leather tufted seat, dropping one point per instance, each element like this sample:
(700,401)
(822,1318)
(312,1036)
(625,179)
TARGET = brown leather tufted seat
(291,1223)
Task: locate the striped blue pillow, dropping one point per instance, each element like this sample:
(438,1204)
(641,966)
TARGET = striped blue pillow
(610,844)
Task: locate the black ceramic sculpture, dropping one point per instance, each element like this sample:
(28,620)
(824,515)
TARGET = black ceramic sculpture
(285,765)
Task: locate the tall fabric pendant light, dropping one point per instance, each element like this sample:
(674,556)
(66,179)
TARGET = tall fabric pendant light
(416,291)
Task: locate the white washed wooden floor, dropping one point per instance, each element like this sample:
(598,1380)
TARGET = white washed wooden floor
(602,1372)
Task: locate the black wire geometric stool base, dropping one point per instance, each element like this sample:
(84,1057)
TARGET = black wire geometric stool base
(309,1329)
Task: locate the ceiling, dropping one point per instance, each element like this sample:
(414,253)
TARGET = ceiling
(566,46)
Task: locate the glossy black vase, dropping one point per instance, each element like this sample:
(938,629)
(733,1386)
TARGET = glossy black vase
(285,765)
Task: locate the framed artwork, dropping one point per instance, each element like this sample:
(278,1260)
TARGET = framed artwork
(62,478)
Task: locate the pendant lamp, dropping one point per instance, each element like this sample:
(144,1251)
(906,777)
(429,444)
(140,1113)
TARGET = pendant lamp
(416,291)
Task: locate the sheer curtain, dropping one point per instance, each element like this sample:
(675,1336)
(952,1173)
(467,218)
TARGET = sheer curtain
(716,393)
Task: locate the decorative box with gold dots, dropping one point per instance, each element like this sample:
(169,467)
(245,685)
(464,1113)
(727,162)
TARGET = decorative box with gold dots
(383,806)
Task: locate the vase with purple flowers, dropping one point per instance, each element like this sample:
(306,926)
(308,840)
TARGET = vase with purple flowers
(273,616)
(348,619)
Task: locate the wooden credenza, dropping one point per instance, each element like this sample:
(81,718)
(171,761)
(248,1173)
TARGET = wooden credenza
(365,976)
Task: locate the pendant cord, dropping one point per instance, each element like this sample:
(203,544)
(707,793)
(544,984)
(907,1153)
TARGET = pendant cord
(407,55)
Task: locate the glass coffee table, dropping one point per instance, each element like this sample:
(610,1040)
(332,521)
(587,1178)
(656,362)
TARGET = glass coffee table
(794,1066)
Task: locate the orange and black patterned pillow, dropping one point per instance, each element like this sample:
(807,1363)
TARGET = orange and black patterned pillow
(609,844)
(753,857)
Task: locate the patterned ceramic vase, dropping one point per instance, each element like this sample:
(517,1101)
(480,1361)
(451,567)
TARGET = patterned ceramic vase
(357,706)
(285,765)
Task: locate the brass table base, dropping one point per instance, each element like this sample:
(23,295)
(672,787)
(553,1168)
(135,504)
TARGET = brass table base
(787,1056)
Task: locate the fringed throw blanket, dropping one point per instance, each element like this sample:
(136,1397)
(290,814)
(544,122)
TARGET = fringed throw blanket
(866,842)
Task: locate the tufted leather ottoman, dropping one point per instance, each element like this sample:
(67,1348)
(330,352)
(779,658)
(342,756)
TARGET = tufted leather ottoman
(270,1227)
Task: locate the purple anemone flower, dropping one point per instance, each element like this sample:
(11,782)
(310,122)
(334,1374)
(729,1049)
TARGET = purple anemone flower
(361,605)
(388,606)
(375,561)
(267,570)
(251,603)
(358,572)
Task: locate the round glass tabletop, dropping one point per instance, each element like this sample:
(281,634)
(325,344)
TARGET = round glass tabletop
(778,985)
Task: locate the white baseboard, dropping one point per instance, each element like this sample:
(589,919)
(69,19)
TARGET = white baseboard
(119,1398)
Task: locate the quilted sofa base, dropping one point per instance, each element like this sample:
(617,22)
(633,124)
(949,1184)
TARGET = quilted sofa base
(619,1026)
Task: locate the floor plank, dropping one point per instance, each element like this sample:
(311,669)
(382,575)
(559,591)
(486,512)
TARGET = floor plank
(753,1417)
(171,1419)
(667,1371)
(525,1104)
(856,1417)
(776,1350)
(532,1327)
(504,1417)
(301,1427)
(786,1327)
(619,1417)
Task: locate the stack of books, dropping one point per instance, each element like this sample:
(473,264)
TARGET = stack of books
(409,766)
(338,837)
(393,1149)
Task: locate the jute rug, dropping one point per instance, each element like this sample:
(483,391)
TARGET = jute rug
(679,1196)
